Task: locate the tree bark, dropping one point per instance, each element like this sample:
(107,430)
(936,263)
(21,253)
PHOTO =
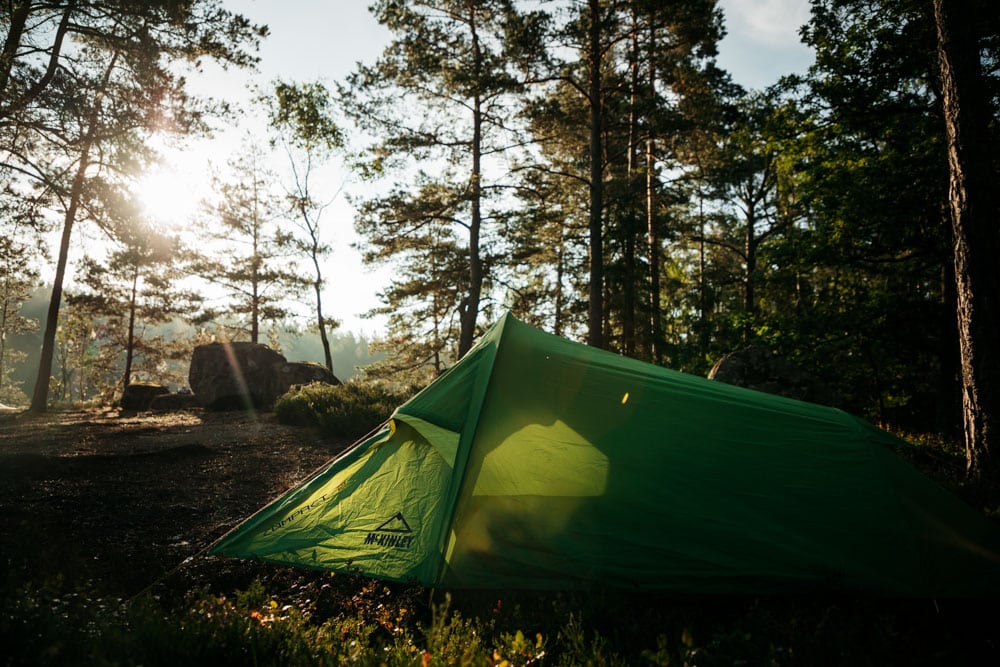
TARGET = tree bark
(652,232)
(130,346)
(4,310)
(976,233)
(40,395)
(629,342)
(470,308)
(750,244)
(320,321)
(18,20)
(595,312)
(703,327)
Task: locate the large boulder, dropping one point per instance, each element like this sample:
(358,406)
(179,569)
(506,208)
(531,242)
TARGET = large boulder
(759,369)
(303,372)
(140,395)
(243,375)
(174,402)
(235,375)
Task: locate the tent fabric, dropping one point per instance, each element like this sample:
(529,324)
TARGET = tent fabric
(539,463)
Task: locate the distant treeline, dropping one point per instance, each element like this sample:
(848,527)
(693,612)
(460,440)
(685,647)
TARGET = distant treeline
(351,353)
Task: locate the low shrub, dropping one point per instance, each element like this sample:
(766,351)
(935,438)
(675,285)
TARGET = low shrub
(348,410)
(341,620)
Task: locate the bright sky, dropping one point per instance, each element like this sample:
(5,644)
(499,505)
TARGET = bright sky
(323,39)
(762,41)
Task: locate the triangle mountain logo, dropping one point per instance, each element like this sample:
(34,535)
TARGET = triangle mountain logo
(397,524)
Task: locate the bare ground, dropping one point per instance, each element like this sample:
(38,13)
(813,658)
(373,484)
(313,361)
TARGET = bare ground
(109,504)
(113,503)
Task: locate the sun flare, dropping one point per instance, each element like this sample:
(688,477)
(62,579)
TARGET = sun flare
(170,196)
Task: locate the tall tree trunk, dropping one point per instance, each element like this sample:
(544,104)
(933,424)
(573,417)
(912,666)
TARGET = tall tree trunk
(653,248)
(40,395)
(130,346)
(652,231)
(470,309)
(750,243)
(4,309)
(595,312)
(629,288)
(976,233)
(255,261)
(438,364)
(255,309)
(703,330)
(314,254)
(557,325)
(320,320)
(19,18)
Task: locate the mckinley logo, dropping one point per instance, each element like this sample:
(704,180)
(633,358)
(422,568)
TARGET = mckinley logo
(395,533)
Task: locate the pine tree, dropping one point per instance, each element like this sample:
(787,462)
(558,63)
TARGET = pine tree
(438,100)
(975,224)
(301,116)
(246,251)
(746,178)
(82,83)
(18,278)
(135,288)
(871,304)
(424,290)
(607,124)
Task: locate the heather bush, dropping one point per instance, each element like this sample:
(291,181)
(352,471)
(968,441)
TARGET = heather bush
(348,410)
(342,620)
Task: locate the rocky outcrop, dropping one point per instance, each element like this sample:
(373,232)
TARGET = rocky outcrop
(173,402)
(303,372)
(246,375)
(140,395)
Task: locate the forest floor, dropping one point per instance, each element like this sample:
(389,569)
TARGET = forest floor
(107,505)
(113,502)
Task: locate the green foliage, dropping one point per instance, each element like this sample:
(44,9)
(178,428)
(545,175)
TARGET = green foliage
(17,280)
(588,649)
(246,248)
(301,117)
(348,410)
(437,222)
(85,366)
(351,621)
(303,112)
(83,85)
(136,287)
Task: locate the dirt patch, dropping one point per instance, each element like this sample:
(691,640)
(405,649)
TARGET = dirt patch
(112,502)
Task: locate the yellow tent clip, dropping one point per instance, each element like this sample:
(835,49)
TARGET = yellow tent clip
(388,436)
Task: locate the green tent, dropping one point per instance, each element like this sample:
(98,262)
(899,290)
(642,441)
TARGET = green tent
(538,463)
